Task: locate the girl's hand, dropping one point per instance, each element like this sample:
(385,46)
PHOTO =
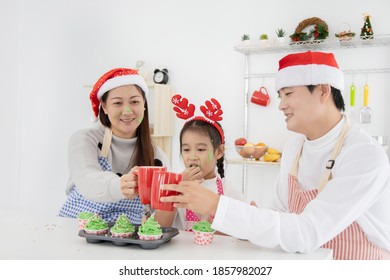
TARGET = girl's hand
(192,173)
(129,183)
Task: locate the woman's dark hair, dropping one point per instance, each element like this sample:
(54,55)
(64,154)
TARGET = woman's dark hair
(206,128)
(337,97)
(143,154)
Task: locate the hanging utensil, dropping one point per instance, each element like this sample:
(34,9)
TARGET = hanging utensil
(352,95)
(365,112)
(352,92)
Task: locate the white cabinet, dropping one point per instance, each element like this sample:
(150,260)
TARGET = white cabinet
(161,116)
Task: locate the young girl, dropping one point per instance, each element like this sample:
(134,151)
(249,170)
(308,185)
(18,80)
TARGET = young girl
(202,150)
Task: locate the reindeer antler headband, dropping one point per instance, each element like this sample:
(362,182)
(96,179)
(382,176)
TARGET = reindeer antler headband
(212,112)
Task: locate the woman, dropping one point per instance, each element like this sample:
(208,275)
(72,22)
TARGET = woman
(103,160)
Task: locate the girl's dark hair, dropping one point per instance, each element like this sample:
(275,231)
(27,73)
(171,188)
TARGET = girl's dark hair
(337,97)
(143,154)
(203,127)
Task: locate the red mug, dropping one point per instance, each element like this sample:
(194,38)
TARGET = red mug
(261,97)
(161,178)
(145,176)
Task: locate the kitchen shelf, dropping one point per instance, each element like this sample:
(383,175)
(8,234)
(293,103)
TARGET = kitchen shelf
(331,43)
(346,72)
(260,163)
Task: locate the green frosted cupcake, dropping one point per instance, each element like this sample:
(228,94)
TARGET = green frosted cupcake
(203,233)
(203,226)
(122,227)
(150,230)
(96,225)
(83,218)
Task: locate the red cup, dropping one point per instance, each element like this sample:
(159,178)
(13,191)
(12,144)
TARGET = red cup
(161,178)
(145,176)
(261,97)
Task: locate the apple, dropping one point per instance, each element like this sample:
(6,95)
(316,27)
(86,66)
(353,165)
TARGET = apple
(240,141)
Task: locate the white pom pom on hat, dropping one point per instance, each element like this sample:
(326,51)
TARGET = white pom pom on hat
(112,79)
(309,68)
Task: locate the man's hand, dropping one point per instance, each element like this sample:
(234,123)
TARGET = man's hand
(193,196)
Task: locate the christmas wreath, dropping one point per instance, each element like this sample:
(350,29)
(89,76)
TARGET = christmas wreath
(319,32)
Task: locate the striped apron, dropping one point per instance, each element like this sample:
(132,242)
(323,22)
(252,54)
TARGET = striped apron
(191,217)
(109,211)
(350,244)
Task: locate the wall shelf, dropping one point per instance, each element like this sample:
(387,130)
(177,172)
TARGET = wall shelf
(331,43)
(346,72)
(260,163)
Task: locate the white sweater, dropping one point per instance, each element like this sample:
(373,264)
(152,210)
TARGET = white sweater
(85,171)
(359,190)
(229,190)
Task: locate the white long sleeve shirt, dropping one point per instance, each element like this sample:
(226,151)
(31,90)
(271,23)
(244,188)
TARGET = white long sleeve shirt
(85,171)
(229,190)
(359,190)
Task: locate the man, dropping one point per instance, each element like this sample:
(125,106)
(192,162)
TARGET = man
(333,190)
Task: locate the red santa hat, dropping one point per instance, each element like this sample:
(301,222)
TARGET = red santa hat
(112,79)
(309,68)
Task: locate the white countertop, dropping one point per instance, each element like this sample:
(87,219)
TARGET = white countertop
(57,238)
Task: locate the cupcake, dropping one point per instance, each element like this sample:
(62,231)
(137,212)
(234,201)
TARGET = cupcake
(96,225)
(122,227)
(150,230)
(203,233)
(83,217)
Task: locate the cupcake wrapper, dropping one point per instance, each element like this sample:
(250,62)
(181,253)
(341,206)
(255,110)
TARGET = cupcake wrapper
(149,237)
(82,223)
(203,238)
(96,232)
(121,234)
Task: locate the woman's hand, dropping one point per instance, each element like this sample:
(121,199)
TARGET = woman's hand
(193,196)
(129,183)
(192,173)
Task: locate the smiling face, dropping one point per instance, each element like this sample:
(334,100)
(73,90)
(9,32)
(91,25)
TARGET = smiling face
(124,107)
(299,106)
(309,113)
(197,150)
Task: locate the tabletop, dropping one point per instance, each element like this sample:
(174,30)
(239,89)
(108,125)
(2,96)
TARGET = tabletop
(57,238)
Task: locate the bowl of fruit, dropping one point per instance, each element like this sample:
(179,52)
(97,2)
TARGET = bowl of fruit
(250,151)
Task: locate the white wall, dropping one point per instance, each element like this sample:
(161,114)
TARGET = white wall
(10,110)
(53,48)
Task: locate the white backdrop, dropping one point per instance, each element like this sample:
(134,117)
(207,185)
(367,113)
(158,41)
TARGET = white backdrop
(50,49)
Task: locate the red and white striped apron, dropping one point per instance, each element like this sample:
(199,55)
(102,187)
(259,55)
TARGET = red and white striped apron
(350,244)
(192,218)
